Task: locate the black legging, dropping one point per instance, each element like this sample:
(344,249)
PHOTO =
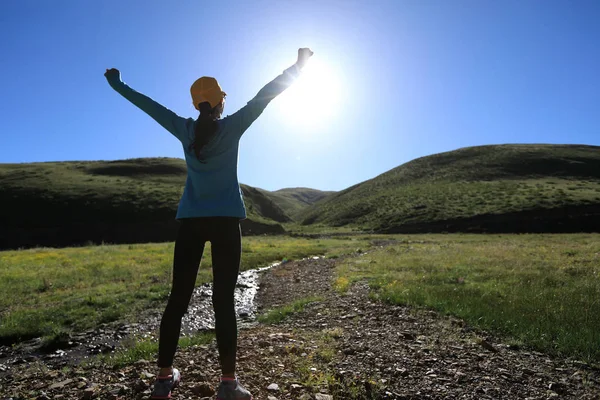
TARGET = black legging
(226,243)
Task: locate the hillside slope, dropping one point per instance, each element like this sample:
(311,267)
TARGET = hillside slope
(295,200)
(66,203)
(508,188)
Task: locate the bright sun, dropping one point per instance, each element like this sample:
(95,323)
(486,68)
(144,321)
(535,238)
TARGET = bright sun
(314,97)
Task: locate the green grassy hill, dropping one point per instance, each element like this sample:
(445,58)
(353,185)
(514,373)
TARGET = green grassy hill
(258,202)
(295,200)
(503,188)
(65,203)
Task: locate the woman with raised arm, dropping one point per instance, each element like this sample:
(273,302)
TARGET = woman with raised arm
(210,210)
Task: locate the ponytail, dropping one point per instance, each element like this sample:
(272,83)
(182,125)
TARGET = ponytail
(204,131)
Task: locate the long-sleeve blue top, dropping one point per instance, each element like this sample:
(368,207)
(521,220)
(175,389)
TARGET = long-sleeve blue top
(212,188)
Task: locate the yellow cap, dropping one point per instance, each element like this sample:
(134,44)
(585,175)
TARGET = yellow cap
(206,89)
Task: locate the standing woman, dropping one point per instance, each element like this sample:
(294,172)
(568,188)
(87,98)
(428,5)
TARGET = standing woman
(210,210)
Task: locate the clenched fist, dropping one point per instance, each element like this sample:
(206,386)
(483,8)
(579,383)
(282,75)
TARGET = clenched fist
(303,55)
(112,73)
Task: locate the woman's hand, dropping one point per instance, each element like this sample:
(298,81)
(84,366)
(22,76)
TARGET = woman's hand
(112,73)
(303,55)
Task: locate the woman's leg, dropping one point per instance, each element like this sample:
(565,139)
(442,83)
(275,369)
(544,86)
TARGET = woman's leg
(226,241)
(188,253)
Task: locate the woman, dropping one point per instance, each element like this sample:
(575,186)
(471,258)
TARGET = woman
(210,210)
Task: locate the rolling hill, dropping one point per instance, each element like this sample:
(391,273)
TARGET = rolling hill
(503,188)
(294,200)
(66,203)
(496,188)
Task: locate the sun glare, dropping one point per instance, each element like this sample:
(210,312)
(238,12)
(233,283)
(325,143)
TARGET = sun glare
(314,97)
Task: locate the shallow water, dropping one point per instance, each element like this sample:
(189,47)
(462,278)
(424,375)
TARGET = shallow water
(107,338)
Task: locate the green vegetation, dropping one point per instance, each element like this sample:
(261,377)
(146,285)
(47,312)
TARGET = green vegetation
(538,290)
(143,184)
(147,349)
(53,291)
(295,200)
(279,314)
(524,180)
(66,203)
(313,365)
(53,197)
(507,188)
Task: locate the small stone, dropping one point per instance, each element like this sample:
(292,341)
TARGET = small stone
(460,377)
(203,390)
(198,376)
(273,387)
(139,386)
(321,396)
(52,374)
(60,385)
(527,371)
(557,387)
(488,346)
(88,394)
(577,375)
(146,374)
(295,386)
(43,396)
(305,396)
(271,397)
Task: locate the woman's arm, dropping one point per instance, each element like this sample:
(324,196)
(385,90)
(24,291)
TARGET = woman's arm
(165,117)
(243,118)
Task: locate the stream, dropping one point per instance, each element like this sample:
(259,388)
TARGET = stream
(106,338)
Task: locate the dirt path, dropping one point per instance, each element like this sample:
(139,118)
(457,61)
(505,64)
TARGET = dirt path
(344,346)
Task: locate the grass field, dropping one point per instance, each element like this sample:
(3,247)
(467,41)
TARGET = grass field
(280,313)
(541,291)
(537,290)
(57,290)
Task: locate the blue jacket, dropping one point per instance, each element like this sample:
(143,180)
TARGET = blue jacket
(212,188)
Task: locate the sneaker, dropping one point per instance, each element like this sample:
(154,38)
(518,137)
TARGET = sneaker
(232,390)
(165,384)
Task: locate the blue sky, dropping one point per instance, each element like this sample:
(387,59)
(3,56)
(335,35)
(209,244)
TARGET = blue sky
(404,79)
